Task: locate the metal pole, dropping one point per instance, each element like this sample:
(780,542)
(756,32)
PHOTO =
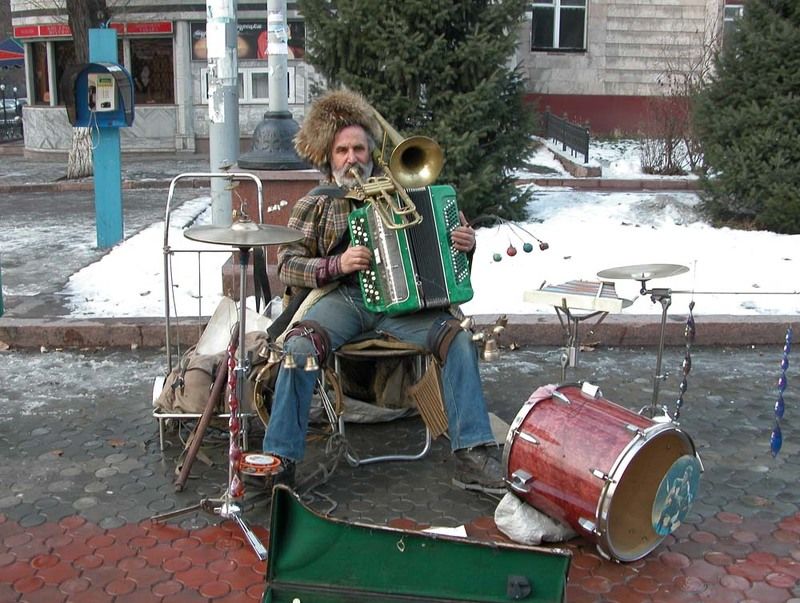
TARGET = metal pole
(273,148)
(223,101)
(277,54)
(3,90)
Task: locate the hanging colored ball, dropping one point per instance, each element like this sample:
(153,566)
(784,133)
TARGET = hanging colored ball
(527,248)
(497,257)
(511,251)
(544,246)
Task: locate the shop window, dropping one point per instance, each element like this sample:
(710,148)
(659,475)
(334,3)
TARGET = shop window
(64,55)
(730,16)
(558,25)
(41,83)
(254,84)
(152,70)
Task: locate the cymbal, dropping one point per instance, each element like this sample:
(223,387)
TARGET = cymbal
(643,272)
(243,234)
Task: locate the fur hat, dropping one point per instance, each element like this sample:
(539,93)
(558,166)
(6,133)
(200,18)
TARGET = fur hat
(329,114)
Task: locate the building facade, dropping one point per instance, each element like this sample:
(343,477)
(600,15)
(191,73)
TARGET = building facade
(602,61)
(163,46)
(597,61)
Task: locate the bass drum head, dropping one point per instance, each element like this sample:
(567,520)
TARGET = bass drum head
(649,493)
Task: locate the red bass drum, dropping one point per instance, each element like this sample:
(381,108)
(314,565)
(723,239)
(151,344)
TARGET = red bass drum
(620,479)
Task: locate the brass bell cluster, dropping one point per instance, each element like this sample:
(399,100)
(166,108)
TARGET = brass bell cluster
(414,162)
(488,337)
(273,354)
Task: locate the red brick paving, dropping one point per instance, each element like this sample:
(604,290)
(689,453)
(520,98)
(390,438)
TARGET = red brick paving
(73,560)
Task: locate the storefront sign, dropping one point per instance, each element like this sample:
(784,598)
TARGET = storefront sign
(63,31)
(251,41)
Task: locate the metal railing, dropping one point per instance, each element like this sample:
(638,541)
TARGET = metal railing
(571,136)
(10,130)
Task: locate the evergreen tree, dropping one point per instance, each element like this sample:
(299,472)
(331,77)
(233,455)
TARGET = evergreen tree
(748,120)
(438,68)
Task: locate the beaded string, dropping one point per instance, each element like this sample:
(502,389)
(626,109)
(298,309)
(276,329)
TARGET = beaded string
(688,334)
(235,485)
(776,439)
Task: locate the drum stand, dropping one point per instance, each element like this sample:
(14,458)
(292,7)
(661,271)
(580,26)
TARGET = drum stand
(570,323)
(225,506)
(244,235)
(664,297)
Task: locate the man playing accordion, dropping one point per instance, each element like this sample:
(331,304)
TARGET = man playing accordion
(340,133)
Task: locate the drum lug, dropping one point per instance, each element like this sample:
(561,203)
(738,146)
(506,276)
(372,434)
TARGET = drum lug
(528,438)
(557,395)
(520,481)
(634,429)
(589,526)
(600,474)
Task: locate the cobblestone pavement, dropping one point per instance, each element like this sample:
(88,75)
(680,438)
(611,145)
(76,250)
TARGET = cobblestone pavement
(83,476)
(83,473)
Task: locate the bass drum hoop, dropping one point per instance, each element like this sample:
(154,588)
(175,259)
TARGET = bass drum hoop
(625,504)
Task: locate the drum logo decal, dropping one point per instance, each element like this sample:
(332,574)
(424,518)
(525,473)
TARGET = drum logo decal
(675,494)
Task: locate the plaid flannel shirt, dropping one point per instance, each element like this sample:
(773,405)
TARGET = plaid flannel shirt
(323,221)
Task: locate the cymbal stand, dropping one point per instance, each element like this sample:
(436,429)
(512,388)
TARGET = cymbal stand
(664,297)
(225,506)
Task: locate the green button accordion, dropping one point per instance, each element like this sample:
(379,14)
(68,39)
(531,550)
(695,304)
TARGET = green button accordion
(417,267)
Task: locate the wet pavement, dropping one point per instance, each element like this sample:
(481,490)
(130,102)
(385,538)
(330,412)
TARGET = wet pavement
(83,474)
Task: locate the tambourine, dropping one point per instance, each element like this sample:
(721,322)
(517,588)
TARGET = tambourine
(259,464)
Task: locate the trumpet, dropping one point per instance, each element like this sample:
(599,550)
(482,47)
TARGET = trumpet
(414,162)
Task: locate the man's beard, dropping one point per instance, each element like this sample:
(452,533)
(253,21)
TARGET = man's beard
(344,178)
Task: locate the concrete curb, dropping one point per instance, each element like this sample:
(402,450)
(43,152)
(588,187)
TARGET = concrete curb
(522,330)
(584,184)
(88,185)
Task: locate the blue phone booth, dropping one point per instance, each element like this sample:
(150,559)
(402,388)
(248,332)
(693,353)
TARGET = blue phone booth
(98,95)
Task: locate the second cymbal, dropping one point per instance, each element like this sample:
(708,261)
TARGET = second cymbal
(643,272)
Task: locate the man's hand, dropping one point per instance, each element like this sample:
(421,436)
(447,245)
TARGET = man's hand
(463,237)
(355,258)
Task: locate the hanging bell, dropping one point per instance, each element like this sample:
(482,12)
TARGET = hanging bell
(288,362)
(311,363)
(264,351)
(490,351)
(467,323)
(274,356)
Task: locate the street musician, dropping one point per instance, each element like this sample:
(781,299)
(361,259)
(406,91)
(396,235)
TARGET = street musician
(339,136)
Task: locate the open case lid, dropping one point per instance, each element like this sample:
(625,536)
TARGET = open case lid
(318,559)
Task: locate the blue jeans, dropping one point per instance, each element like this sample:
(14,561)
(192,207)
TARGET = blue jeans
(344,317)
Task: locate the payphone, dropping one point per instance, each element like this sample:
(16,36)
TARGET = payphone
(98,95)
(102,93)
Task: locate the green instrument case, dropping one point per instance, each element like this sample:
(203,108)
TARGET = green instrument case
(317,559)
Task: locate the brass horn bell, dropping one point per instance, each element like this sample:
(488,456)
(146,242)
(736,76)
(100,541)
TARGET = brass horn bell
(414,162)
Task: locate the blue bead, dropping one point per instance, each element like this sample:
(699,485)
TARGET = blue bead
(779,407)
(776,440)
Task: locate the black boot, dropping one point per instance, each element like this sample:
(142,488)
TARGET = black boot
(285,474)
(479,469)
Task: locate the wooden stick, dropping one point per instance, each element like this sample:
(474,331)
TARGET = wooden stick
(208,413)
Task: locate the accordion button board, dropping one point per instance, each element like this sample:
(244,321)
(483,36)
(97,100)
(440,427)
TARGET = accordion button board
(416,267)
